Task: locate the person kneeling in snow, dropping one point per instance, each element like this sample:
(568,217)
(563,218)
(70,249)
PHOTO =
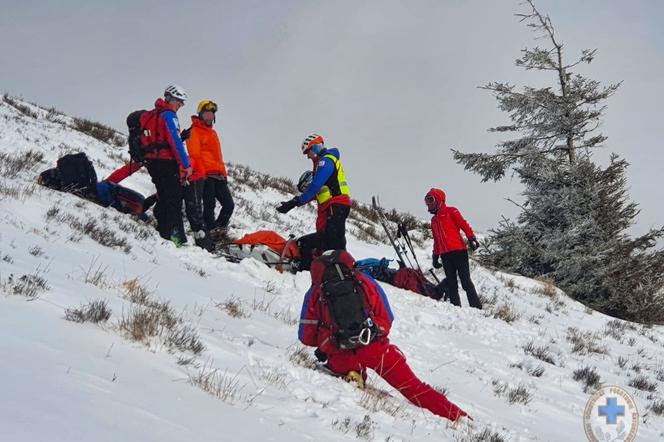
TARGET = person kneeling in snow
(346,315)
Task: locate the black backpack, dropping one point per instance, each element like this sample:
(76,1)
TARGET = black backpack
(74,173)
(342,293)
(136,152)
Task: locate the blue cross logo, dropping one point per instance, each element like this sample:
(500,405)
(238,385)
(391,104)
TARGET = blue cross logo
(611,410)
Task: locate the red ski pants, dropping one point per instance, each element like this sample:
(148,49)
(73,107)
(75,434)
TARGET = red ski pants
(390,364)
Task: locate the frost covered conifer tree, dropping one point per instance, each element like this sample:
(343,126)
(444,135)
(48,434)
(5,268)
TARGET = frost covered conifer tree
(572,227)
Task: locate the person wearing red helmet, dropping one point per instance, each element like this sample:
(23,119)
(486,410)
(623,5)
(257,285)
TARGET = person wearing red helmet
(449,247)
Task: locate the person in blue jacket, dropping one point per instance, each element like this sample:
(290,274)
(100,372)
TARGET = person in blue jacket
(330,190)
(167,162)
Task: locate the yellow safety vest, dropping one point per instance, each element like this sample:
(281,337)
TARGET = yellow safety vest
(325,194)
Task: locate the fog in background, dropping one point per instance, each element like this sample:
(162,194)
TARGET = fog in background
(392,84)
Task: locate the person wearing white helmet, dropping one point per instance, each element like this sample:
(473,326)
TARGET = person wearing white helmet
(167,161)
(330,190)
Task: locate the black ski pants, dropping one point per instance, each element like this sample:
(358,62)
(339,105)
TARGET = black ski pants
(216,189)
(332,237)
(454,263)
(168,210)
(193,205)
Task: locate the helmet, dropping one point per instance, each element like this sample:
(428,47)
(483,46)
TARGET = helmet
(311,141)
(176,92)
(305,180)
(207,105)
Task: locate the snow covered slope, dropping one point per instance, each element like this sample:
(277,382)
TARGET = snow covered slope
(197,348)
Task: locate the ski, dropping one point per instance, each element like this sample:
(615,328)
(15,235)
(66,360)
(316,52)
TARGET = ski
(382,219)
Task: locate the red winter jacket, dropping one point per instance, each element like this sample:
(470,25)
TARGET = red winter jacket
(167,133)
(445,226)
(316,325)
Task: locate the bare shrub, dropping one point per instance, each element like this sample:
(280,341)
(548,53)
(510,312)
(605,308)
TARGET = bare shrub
(261,305)
(157,320)
(19,106)
(660,375)
(36,251)
(301,356)
(136,292)
(488,301)
(643,383)
(101,234)
(622,362)
(95,312)
(362,430)
(30,285)
(96,276)
(184,338)
(506,312)
(286,316)
(542,353)
(588,377)
(616,328)
(486,435)
(18,163)
(99,131)
(375,400)
(547,288)
(233,307)
(519,395)
(586,342)
(217,383)
(536,371)
(657,407)
(8,259)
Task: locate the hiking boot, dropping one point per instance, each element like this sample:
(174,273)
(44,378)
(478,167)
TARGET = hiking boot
(203,240)
(175,239)
(219,233)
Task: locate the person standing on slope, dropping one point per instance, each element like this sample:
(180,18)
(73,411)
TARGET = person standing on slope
(449,247)
(330,189)
(167,162)
(331,307)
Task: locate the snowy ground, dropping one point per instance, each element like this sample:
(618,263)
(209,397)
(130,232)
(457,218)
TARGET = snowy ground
(68,381)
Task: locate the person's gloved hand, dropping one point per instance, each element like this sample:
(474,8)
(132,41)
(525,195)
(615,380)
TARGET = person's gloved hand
(322,357)
(473,243)
(286,206)
(436,263)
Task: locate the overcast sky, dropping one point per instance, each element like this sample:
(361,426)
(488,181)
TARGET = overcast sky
(392,84)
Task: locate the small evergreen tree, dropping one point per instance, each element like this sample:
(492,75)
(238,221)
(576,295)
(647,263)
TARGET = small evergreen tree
(573,222)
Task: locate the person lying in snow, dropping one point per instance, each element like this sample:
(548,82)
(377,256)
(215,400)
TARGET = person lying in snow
(347,316)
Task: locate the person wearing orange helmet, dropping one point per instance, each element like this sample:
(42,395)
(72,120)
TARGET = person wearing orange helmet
(330,190)
(449,247)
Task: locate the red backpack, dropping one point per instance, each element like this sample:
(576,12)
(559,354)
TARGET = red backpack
(145,138)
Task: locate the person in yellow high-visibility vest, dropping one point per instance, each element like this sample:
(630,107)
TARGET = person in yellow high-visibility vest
(330,189)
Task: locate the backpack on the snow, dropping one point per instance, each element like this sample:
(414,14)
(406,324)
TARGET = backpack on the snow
(343,295)
(144,136)
(73,173)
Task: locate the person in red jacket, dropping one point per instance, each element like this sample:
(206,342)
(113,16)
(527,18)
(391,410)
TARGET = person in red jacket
(317,329)
(449,247)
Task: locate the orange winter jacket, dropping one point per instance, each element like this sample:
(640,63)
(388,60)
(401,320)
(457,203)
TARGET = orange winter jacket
(205,147)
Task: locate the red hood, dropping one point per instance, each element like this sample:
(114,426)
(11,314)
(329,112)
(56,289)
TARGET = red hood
(439,196)
(161,104)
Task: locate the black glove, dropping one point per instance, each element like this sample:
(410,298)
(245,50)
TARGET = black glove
(472,242)
(286,206)
(436,262)
(322,357)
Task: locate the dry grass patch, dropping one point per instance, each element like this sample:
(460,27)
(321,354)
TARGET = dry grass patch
(217,383)
(95,312)
(234,308)
(588,377)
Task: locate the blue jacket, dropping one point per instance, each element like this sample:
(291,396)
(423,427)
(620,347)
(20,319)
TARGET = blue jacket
(323,173)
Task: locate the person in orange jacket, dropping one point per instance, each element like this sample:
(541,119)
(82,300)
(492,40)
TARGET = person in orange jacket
(205,141)
(194,188)
(449,247)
